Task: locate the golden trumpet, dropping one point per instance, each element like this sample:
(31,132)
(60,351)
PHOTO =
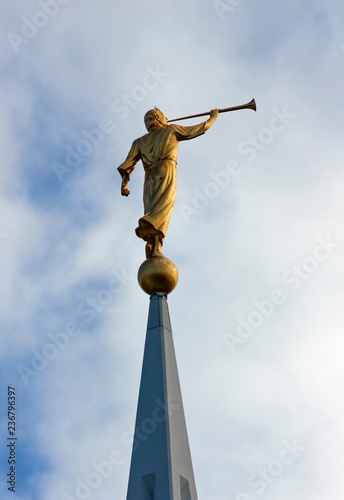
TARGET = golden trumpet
(249,105)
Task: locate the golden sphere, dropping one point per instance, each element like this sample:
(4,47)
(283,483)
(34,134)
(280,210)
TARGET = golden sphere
(157,274)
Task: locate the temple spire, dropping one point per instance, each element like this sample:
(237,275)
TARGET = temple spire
(161,467)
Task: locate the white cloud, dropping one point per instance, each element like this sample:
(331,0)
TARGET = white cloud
(63,240)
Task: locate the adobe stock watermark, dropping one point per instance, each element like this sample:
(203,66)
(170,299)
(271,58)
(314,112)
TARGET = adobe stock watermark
(30,28)
(105,469)
(91,139)
(3,237)
(224,7)
(151,80)
(277,124)
(84,148)
(293,279)
(201,198)
(249,148)
(58,342)
(260,480)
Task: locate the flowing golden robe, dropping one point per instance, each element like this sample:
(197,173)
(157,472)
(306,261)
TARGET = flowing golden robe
(158,152)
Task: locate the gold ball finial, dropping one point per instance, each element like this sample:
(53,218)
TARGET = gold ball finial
(158,274)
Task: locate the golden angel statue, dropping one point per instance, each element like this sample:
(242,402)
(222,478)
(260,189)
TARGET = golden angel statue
(158,152)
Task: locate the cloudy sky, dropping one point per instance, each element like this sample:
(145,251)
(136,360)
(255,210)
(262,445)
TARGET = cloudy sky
(257,235)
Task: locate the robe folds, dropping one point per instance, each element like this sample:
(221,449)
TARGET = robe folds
(158,152)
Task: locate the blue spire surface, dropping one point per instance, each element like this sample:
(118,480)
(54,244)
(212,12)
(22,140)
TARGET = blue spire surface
(161,467)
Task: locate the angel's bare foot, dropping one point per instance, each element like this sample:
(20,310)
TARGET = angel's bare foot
(149,249)
(157,246)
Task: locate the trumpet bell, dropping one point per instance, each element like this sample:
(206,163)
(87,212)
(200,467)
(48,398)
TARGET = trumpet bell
(252,105)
